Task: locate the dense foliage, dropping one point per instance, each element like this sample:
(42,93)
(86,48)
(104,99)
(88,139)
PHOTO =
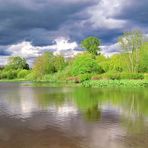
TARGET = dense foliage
(84,63)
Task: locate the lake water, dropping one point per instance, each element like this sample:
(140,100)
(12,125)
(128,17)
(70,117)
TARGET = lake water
(68,117)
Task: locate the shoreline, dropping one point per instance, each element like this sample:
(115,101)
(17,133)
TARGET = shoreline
(89,83)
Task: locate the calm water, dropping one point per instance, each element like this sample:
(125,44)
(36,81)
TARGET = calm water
(64,117)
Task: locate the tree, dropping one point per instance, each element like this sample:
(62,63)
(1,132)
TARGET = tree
(59,63)
(91,44)
(84,63)
(131,43)
(43,65)
(117,64)
(143,64)
(16,63)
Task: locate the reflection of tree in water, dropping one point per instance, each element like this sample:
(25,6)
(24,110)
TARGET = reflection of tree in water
(52,99)
(46,98)
(92,114)
(132,104)
(87,101)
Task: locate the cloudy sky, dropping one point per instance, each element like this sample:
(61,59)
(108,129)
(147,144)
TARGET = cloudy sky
(30,27)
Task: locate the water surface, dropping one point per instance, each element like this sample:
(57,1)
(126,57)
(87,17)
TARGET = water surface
(68,117)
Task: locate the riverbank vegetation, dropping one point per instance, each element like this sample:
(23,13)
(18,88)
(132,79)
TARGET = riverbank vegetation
(129,66)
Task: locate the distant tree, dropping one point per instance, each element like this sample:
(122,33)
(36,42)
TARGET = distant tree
(131,43)
(91,44)
(16,63)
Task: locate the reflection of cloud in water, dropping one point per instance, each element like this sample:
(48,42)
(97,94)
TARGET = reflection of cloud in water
(66,110)
(24,102)
(21,103)
(27,102)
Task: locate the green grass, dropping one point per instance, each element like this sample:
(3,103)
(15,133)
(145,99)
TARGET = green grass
(13,80)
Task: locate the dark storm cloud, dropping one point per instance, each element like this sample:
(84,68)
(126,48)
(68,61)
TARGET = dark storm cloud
(4,52)
(34,19)
(42,21)
(136,13)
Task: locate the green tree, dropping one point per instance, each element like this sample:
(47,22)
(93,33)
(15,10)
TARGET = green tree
(143,64)
(117,64)
(44,65)
(91,44)
(131,43)
(16,63)
(59,63)
(84,63)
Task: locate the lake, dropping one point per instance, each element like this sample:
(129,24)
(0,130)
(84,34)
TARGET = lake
(35,116)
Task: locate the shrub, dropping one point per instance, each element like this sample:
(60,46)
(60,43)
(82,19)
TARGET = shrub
(3,75)
(84,63)
(50,78)
(132,76)
(96,77)
(47,77)
(146,76)
(111,76)
(79,78)
(11,74)
(23,73)
(84,77)
(74,79)
(31,76)
(118,76)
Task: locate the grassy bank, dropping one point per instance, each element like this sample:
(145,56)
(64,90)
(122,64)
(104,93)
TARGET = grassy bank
(89,83)
(115,83)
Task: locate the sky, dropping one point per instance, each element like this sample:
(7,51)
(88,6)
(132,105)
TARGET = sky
(30,27)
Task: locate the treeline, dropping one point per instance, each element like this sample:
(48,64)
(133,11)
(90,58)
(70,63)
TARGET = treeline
(131,63)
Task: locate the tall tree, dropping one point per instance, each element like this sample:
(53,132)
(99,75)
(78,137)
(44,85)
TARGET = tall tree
(43,65)
(17,63)
(91,44)
(59,63)
(131,43)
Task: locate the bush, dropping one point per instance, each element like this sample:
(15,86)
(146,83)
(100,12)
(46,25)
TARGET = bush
(31,76)
(118,76)
(96,77)
(84,63)
(79,78)
(112,76)
(84,77)
(146,76)
(11,74)
(23,73)
(135,76)
(73,79)
(3,75)
(50,78)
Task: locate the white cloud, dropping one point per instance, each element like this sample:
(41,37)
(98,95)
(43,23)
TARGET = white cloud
(109,50)
(3,60)
(25,49)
